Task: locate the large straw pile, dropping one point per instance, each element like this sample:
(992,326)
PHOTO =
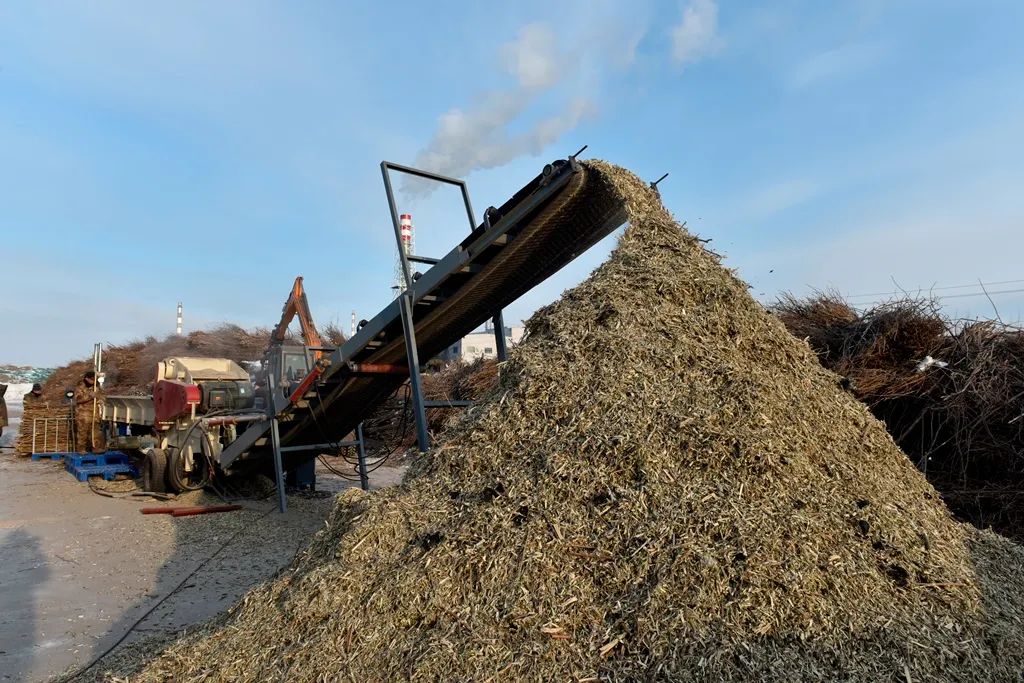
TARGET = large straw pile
(669,486)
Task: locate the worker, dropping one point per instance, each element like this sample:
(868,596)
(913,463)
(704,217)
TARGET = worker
(3,408)
(34,397)
(88,403)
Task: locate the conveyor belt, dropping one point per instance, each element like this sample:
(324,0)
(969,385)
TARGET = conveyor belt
(556,217)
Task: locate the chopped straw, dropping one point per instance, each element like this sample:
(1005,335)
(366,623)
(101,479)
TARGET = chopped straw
(666,486)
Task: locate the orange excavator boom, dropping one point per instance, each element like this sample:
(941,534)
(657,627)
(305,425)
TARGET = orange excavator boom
(296,305)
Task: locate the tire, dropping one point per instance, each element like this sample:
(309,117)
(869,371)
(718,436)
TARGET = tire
(154,471)
(179,480)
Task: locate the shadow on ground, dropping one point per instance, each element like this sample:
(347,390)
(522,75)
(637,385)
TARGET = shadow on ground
(25,572)
(214,560)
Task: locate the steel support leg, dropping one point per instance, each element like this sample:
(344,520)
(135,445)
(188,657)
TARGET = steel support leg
(499,337)
(275,440)
(412,355)
(364,476)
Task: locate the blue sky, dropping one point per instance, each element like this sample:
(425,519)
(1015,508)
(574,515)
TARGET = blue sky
(210,152)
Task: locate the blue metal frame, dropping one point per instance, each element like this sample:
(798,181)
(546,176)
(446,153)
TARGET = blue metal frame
(385,168)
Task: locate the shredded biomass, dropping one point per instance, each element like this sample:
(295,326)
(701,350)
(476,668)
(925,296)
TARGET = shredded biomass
(665,486)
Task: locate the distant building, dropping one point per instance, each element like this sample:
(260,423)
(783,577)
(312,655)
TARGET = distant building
(480,344)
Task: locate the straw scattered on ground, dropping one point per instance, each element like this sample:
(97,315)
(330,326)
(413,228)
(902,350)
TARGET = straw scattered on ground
(668,486)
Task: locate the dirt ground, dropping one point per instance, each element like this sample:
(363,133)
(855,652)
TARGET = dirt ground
(77,569)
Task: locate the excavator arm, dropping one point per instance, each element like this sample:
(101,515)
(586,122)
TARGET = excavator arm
(297,305)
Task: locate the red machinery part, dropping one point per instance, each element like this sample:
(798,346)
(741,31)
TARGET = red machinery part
(172,399)
(304,386)
(188,511)
(203,510)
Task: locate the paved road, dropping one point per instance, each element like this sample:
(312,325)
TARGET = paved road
(78,569)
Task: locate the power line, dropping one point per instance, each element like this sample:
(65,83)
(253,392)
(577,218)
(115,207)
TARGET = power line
(876,302)
(932,289)
(1005,291)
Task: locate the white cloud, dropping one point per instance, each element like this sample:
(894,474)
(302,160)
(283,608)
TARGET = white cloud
(483,135)
(479,138)
(835,63)
(696,35)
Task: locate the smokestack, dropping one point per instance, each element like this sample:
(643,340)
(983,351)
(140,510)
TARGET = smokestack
(408,244)
(352,329)
(178,327)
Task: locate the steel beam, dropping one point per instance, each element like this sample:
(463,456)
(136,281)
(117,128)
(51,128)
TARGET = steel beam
(275,438)
(411,352)
(364,475)
(448,404)
(499,337)
(275,442)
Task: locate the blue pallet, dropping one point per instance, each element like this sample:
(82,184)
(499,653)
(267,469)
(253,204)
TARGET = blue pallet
(85,459)
(49,456)
(108,472)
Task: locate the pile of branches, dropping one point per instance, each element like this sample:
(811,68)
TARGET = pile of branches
(391,428)
(130,369)
(950,392)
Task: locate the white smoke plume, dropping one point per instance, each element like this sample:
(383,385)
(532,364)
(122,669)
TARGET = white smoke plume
(479,136)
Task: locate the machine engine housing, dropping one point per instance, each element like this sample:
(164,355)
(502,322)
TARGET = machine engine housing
(226,395)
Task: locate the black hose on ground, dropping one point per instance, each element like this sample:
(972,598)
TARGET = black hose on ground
(66,678)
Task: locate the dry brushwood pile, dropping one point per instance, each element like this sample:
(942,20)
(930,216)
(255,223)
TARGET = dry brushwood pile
(391,427)
(131,368)
(667,486)
(44,428)
(961,419)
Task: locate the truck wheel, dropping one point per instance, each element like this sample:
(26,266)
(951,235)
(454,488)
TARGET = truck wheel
(154,471)
(182,481)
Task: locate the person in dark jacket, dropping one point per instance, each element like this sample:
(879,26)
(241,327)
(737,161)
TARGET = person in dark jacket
(34,397)
(3,408)
(88,403)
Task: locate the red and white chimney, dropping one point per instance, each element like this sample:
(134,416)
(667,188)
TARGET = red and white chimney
(405,234)
(405,226)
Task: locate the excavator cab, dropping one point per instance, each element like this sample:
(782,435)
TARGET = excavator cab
(295,365)
(288,364)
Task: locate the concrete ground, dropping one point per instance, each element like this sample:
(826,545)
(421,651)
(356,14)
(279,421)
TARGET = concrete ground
(77,569)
